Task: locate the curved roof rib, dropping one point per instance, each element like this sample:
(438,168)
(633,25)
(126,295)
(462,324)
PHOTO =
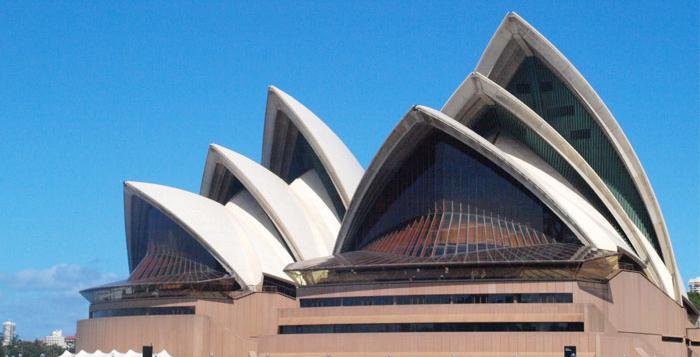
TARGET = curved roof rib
(478,92)
(203,219)
(411,128)
(269,246)
(514,42)
(285,121)
(302,236)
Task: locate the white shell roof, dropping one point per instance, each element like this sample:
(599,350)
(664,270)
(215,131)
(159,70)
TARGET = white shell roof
(515,27)
(477,86)
(599,232)
(340,164)
(317,202)
(251,218)
(530,177)
(205,220)
(305,239)
(240,236)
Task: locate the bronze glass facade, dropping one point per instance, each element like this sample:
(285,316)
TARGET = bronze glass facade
(164,251)
(446,199)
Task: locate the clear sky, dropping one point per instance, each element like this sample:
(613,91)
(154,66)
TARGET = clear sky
(94,93)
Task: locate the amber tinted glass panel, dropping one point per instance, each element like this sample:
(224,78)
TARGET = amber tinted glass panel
(139,290)
(167,253)
(447,199)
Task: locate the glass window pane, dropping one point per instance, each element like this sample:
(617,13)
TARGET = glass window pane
(467,203)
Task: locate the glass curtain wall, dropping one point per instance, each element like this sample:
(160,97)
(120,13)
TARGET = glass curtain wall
(302,158)
(496,121)
(165,252)
(447,199)
(539,88)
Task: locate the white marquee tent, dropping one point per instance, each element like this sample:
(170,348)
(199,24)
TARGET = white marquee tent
(114,353)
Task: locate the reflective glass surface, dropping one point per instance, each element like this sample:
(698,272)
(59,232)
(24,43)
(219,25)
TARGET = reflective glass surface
(277,286)
(672,339)
(557,261)
(544,298)
(434,327)
(496,122)
(143,311)
(564,111)
(164,252)
(224,185)
(124,290)
(300,158)
(446,199)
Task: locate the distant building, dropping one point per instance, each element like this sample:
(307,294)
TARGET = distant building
(70,343)
(694,285)
(8,332)
(56,339)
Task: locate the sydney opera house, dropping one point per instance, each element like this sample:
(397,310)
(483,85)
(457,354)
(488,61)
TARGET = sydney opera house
(515,221)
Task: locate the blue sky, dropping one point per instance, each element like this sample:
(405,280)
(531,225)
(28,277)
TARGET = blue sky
(94,93)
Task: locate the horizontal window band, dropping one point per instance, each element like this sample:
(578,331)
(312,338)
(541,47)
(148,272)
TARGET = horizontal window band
(434,327)
(672,339)
(544,298)
(143,311)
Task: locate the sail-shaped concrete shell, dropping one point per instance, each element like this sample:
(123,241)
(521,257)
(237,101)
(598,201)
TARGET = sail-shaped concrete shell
(304,238)
(478,92)
(285,120)
(205,220)
(514,41)
(516,215)
(421,120)
(269,247)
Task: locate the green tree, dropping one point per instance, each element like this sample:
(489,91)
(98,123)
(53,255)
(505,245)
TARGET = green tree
(30,349)
(695,298)
(53,351)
